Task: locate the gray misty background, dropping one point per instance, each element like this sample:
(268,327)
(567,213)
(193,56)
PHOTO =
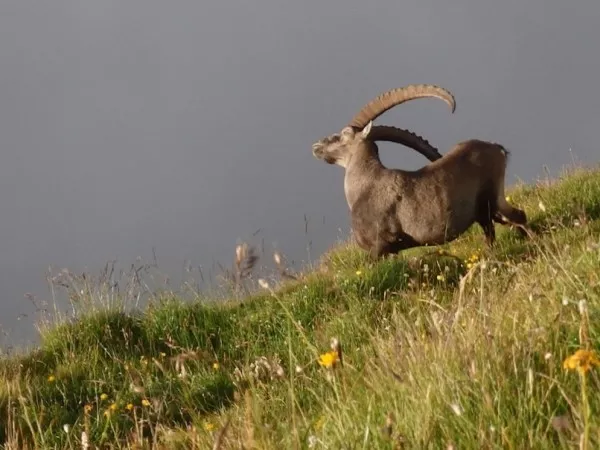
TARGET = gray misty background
(188,125)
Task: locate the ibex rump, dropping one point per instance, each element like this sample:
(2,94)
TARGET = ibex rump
(393,209)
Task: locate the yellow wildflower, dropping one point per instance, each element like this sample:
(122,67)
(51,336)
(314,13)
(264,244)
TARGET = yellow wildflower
(129,406)
(441,277)
(113,407)
(103,396)
(582,361)
(209,426)
(87,408)
(145,402)
(507,198)
(51,379)
(319,423)
(216,365)
(358,272)
(328,359)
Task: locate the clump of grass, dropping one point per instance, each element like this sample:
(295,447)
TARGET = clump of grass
(458,346)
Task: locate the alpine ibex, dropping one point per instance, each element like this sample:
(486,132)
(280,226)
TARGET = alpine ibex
(393,209)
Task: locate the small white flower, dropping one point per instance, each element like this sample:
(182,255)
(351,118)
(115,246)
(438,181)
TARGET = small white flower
(335,344)
(542,206)
(565,301)
(582,307)
(66,428)
(84,441)
(456,408)
(547,356)
(263,283)
(312,441)
(299,369)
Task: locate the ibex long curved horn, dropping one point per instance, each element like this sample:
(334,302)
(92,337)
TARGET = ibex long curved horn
(394,97)
(404,137)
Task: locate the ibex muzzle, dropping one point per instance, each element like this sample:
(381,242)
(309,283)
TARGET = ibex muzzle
(393,209)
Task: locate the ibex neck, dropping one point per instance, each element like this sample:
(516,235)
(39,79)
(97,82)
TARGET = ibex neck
(360,173)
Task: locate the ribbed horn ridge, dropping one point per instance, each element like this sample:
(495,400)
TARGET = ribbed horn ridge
(394,97)
(404,137)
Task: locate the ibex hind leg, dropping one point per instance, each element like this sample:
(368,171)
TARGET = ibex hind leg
(505,213)
(486,211)
(511,216)
(489,230)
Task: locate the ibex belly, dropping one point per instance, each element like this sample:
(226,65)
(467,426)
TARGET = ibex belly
(435,224)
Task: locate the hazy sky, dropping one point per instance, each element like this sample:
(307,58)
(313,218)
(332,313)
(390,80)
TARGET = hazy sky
(187,125)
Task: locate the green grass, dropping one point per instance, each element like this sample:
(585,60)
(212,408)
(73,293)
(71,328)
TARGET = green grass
(454,345)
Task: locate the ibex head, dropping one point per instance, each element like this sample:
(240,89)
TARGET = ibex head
(339,148)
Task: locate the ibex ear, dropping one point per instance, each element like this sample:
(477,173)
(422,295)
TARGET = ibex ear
(346,134)
(367,129)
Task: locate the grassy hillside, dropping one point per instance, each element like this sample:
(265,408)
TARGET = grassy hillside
(446,347)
